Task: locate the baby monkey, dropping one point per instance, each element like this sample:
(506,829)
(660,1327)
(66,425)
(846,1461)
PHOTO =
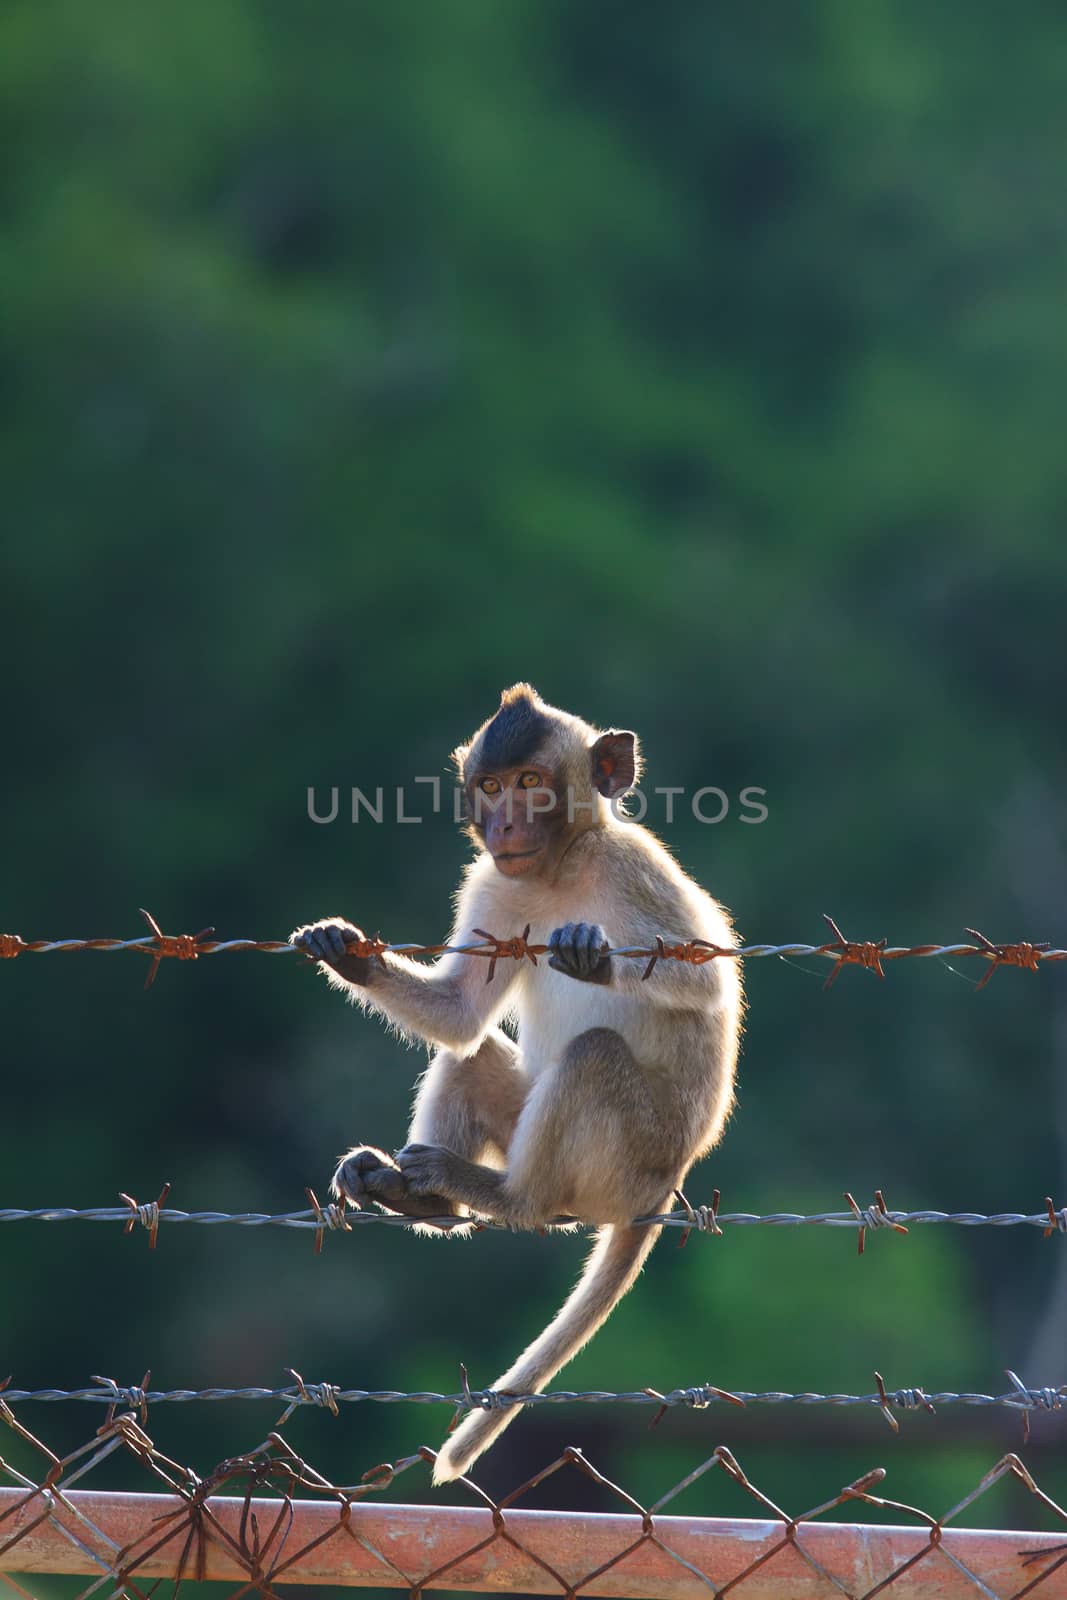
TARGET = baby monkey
(613,1086)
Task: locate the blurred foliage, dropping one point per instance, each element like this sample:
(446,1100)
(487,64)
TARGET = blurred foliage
(704,367)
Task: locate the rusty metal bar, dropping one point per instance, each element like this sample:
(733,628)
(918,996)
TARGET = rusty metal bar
(399,1546)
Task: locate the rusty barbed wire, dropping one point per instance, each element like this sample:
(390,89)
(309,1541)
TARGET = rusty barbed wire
(868,954)
(697,1397)
(267,1516)
(707,1219)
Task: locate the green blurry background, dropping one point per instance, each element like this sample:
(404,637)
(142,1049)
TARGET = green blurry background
(703,365)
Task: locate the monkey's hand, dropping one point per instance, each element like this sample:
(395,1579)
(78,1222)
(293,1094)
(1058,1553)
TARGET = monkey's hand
(369,1174)
(328,941)
(578,950)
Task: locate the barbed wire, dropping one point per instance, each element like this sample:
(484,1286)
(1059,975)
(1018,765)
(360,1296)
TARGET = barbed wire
(869,954)
(267,1516)
(707,1219)
(698,1397)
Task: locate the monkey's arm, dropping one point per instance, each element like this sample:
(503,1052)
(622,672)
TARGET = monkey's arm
(449,1003)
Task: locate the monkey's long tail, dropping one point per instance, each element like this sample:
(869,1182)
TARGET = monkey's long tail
(613,1266)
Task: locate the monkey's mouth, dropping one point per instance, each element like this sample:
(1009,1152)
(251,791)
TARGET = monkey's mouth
(518,855)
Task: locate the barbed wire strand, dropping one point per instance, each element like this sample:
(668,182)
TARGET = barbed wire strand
(869,954)
(267,1516)
(698,1397)
(706,1219)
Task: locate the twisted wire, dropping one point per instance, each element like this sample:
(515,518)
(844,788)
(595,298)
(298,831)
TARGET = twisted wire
(672,1219)
(868,954)
(105,1391)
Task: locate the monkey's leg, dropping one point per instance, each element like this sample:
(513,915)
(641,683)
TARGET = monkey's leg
(470,1104)
(465,1117)
(597,1138)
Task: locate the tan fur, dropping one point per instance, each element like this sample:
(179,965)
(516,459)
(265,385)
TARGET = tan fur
(613,1090)
(612,1268)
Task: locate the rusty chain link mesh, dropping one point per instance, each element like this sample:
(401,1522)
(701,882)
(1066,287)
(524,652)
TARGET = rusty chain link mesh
(267,1517)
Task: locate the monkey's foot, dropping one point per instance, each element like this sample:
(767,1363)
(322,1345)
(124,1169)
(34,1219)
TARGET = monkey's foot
(367,1174)
(431,1171)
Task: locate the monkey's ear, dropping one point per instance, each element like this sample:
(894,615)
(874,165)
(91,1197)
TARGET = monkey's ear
(459,758)
(616,762)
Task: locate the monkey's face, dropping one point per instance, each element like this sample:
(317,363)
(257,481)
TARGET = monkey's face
(533,776)
(516,814)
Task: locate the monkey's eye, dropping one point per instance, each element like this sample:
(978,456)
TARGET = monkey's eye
(490,786)
(530,780)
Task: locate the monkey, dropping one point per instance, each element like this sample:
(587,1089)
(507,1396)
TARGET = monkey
(613,1086)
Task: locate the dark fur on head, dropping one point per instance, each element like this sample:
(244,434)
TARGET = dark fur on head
(517,732)
(526,729)
(522,727)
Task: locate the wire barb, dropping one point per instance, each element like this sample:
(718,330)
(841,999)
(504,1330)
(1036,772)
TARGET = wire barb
(310,1394)
(147,1215)
(516,949)
(182,946)
(1027,956)
(883,1403)
(1057,1220)
(1046,1399)
(135,1397)
(693,951)
(369,949)
(867,954)
(329,1216)
(876,1216)
(705,1219)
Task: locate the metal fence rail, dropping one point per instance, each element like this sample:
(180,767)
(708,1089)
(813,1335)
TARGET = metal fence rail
(267,1517)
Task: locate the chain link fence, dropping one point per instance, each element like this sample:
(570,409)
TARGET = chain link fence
(266,1518)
